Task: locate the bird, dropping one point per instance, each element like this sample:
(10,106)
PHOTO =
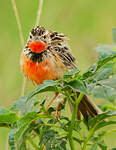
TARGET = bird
(46,56)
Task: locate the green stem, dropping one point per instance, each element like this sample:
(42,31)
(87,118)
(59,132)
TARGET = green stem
(32,143)
(87,139)
(70,99)
(74,114)
(114,37)
(91,132)
(40,135)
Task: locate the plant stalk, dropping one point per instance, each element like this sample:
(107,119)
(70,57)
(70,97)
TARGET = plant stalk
(32,143)
(74,114)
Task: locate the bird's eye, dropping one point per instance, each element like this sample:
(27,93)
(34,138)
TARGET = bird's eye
(44,36)
(30,37)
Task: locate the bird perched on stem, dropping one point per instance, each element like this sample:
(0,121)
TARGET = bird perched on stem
(47,56)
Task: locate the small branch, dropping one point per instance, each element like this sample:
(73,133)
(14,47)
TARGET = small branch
(21,33)
(23,86)
(70,99)
(18,22)
(37,22)
(6,148)
(91,132)
(39,12)
(21,38)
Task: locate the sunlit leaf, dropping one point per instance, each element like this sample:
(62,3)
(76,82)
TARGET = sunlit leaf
(7,118)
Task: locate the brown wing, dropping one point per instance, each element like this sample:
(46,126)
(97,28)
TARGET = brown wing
(58,42)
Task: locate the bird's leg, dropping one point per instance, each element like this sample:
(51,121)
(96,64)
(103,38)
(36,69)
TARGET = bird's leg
(56,94)
(57,108)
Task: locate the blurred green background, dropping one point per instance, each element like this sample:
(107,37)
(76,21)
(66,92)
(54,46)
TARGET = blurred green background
(86,22)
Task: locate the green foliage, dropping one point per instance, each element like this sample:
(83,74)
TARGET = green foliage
(7,118)
(44,130)
(104,50)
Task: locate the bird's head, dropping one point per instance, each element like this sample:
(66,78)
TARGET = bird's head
(38,39)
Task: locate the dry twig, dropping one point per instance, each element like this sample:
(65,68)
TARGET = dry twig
(21,33)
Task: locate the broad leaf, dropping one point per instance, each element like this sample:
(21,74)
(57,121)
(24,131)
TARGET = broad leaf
(108,107)
(75,84)
(23,105)
(48,85)
(105,72)
(17,135)
(100,63)
(7,118)
(24,126)
(71,74)
(51,139)
(103,88)
(93,147)
(103,124)
(102,145)
(100,118)
(104,50)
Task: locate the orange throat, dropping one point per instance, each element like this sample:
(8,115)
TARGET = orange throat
(37,47)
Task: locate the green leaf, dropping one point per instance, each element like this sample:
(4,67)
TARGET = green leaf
(7,118)
(17,136)
(77,125)
(71,74)
(104,50)
(75,84)
(26,103)
(102,145)
(3,110)
(100,63)
(100,118)
(23,105)
(104,88)
(50,138)
(103,124)
(98,137)
(114,34)
(48,85)
(105,72)
(23,127)
(108,107)
(93,147)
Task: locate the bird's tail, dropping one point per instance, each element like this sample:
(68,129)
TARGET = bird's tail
(86,107)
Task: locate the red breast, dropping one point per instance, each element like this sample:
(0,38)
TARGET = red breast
(37,72)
